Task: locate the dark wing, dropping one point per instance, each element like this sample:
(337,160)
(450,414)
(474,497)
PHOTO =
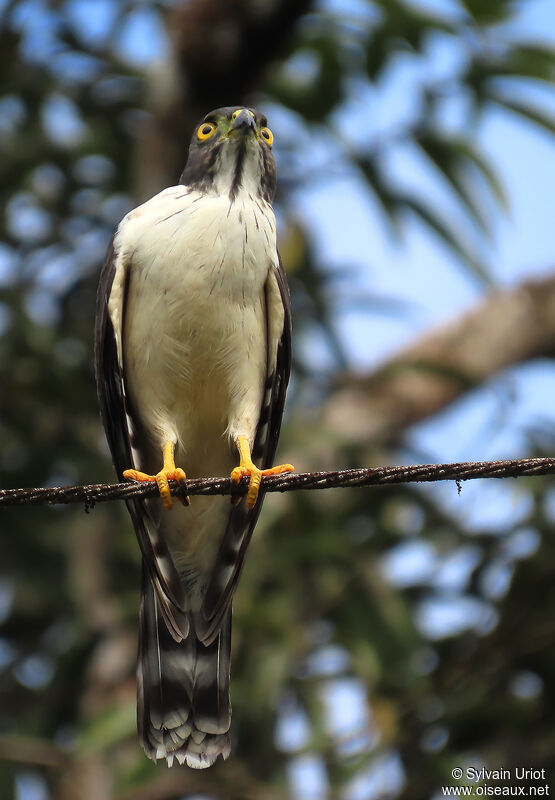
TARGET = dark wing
(109,380)
(241,522)
(269,423)
(118,424)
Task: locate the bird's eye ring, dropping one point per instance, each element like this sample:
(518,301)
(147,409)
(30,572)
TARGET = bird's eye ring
(205,131)
(267,135)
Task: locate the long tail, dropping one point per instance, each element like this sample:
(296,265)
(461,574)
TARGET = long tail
(183,708)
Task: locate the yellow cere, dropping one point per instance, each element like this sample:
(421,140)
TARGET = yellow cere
(238,111)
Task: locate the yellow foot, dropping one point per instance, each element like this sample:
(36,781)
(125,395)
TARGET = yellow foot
(246,467)
(169,472)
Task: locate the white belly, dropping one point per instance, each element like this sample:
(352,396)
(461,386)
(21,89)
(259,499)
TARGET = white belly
(195,350)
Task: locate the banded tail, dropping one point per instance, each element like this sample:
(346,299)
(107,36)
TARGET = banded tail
(183,708)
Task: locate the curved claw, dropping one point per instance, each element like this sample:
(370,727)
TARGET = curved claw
(162,479)
(256,475)
(169,472)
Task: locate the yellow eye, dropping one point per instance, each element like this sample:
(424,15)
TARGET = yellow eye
(267,135)
(205,131)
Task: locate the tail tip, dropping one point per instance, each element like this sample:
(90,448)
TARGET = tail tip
(195,756)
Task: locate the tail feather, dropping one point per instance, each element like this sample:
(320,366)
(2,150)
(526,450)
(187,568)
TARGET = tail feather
(183,709)
(177,621)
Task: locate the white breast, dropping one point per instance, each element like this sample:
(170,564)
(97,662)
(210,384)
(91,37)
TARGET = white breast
(205,240)
(195,303)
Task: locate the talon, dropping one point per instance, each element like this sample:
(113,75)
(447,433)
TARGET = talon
(238,473)
(135,475)
(254,487)
(246,467)
(169,472)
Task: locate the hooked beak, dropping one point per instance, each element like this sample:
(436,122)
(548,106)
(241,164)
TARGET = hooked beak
(244,121)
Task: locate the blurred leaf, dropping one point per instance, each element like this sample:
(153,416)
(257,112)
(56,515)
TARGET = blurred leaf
(532,61)
(491,12)
(403,25)
(318,94)
(449,158)
(109,728)
(446,234)
(527,112)
(370,166)
(469,153)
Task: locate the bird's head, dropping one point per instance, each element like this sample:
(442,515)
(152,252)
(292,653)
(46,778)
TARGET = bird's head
(231,149)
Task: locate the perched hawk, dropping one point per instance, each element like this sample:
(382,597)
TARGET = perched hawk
(193,353)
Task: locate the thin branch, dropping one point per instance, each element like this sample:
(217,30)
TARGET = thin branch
(379,476)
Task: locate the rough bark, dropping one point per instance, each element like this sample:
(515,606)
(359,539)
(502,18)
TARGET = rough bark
(509,327)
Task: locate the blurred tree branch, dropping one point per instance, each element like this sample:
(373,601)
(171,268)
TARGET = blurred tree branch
(509,327)
(24,750)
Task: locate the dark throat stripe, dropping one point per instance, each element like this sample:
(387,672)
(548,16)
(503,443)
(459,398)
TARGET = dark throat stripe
(238,174)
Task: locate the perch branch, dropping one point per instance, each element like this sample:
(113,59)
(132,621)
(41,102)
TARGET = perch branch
(379,476)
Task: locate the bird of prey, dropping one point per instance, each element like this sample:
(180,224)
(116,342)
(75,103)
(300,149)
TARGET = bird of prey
(193,354)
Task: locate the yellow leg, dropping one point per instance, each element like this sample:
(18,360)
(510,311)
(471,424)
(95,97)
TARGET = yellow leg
(168,473)
(246,467)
